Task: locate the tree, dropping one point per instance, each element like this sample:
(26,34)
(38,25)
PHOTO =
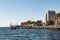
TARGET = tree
(39,23)
(29,21)
(34,22)
(50,22)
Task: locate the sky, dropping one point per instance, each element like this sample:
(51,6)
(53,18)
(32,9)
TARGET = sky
(17,11)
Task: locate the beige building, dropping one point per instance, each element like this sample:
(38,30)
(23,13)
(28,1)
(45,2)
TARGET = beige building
(56,19)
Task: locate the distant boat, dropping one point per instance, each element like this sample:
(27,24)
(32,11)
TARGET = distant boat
(12,26)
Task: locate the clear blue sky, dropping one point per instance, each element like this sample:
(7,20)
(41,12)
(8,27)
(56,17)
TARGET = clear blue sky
(16,11)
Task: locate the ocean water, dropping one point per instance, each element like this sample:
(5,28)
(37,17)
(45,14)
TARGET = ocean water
(29,34)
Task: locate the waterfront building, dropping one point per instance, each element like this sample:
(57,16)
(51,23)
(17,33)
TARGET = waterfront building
(57,19)
(53,18)
(50,15)
(46,20)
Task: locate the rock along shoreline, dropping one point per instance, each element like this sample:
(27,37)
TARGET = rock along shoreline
(38,27)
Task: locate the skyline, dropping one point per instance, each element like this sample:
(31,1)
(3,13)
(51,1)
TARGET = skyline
(17,11)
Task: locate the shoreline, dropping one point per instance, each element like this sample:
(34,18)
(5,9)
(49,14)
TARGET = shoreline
(37,27)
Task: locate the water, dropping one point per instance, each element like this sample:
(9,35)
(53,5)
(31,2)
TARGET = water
(29,34)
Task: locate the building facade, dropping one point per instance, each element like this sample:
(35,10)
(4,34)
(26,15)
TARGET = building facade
(53,18)
(50,15)
(57,19)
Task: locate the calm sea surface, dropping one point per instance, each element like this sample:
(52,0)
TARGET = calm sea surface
(29,34)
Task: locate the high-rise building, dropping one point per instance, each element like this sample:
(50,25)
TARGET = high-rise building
(46,18)
(50,15)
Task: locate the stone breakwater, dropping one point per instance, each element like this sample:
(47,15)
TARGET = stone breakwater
(42,27)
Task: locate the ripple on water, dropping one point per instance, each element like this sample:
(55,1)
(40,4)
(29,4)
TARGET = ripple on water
(29,34)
